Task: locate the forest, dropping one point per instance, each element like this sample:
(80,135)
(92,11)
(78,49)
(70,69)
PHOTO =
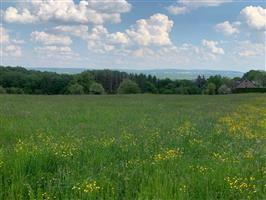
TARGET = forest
(19,80)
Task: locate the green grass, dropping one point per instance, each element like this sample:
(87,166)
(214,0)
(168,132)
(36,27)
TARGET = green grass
(133,147)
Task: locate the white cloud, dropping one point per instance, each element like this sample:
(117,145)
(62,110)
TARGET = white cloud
(101,41)
(75,30)
(12,15)
(98,38)
(251,24)
(185,55)
(143,52)
(248,49)
(227,28)
(118,38)
(18,41)
(86,11)
(152,31)
(53,46)
(50,39)
(177,10)
(185,6)
(110,6)
(255,17)
(202,3)
(146,41)
(12,50)
(205,53)
(8,44)
(212,46)
(4,39)
(55,52)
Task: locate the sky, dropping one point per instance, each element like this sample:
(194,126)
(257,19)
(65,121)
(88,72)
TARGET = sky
(134,34)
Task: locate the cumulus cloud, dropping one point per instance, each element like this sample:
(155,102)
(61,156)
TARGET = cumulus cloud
(55,52)
(143,52)
(86,11)
(12,15)
(12,50)
(202,3)
(185,6)
(212,46)
(50,39)
(53,45)
(101,41)
(255,17)
(177,10)
(249,49)
(152,31)
(4,39)
(74,30)
(9,45)
(118,38)
(227,28)
(147,39)
(98,38)
(110,6)
(252,22)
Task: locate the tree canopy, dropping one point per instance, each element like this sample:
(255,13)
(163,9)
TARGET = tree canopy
(128,87)
(19,80)
(96,88)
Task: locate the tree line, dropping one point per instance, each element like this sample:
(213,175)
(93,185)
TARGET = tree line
(18,80)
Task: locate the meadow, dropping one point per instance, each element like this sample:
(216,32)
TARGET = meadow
(133,147)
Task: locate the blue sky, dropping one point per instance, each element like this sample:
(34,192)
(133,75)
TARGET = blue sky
(140,34)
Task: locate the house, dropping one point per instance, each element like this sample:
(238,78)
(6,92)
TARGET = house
(245,83)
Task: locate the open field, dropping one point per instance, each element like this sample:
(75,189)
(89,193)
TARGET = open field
(133,147)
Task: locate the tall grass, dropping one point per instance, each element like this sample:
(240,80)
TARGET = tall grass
(133,147)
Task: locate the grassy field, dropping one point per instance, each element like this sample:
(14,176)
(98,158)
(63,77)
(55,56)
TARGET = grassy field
(133,147)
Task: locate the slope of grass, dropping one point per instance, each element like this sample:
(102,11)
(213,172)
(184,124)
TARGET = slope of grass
(133,147)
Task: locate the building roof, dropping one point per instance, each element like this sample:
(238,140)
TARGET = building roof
(245,83)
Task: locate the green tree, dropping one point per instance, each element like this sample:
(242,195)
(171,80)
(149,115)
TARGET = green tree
(85,79)
(2,90)
(182,90)
(228,82)
(259,77)
(96,88)
(211,89)
(14,90)
(150,88)
(200,82)
(128,87)
(217,80)
(75,89)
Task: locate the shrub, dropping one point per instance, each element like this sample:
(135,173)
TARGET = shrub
(150,88)
(193,90)
(182,90)
(224,90)
(166,91)
(75,89)
(96,88)
(14,90)
(2,90)
(128,87)
(211,89)
(85,79)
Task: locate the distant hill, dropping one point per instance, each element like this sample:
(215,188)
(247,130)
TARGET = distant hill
(59,70)
(159,73)
(186,74)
